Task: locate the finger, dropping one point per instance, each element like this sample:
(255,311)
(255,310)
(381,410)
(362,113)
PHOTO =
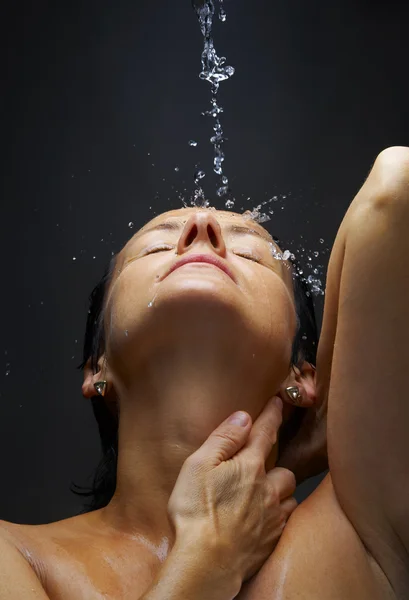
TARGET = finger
(288,506)
(283,481)
(263,434)
(225,441)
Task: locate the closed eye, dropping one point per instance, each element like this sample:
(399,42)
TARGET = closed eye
(158,249)
(248,256)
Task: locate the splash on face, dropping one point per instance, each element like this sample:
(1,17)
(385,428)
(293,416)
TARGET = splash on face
(242,237)
(258,289)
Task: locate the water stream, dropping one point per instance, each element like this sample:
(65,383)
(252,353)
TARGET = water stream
(214,70)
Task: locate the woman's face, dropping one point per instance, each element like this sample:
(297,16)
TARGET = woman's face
(149,303)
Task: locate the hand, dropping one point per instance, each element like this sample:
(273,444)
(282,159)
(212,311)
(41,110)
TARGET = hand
(224,502)
(306,452)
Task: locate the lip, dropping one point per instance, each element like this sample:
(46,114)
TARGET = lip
(202,258)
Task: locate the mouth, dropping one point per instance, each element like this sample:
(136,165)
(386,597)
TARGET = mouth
(202,258)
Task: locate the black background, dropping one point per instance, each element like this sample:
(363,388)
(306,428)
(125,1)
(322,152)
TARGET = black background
(99,102)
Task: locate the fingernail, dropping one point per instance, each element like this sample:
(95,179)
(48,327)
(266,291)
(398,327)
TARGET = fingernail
(239,418)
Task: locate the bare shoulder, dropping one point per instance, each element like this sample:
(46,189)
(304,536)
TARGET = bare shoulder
(77,557)
(39,543)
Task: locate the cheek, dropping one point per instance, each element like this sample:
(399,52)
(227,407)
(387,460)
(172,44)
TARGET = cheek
(277,316)
(129,299)
(272,295)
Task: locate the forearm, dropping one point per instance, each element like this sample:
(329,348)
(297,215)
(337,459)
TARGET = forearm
(189,574)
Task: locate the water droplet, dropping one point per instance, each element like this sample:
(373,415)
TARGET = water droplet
(176,168)
(41,302)
(192,143)
(229,204)
(152,301)
(263,218)
(7,373)
(93,257)
(130,225)
(222,190)
(316,254)
(126,332)
(73,258)
(222,15)
(304,337)
(321,241)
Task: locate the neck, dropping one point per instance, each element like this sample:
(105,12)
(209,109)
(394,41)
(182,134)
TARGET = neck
(166,414)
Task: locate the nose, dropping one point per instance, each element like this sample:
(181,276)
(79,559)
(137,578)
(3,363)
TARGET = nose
(202,229)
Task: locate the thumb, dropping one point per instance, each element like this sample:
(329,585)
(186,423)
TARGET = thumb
(226,440)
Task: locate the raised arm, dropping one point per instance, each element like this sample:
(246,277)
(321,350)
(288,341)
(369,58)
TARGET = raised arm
(363,356)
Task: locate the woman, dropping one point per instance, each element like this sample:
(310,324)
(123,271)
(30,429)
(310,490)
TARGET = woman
(179,347)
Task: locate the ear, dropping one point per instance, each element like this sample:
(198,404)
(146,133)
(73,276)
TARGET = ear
(304,379)
(88,389)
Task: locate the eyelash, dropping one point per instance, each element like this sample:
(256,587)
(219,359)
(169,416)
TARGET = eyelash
(166,247)
(249,257)
(159,249)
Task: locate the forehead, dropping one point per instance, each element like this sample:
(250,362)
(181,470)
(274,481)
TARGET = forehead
(183,214)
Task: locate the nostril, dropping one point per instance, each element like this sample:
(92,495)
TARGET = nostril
(191,236)
(212,235)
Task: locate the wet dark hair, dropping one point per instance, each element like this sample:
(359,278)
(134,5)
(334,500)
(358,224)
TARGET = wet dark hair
(104,482)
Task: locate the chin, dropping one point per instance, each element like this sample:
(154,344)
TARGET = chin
(200,315)
(199,287)
(193,297)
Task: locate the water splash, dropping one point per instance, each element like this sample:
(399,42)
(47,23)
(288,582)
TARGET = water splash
(214,71)
(152,301)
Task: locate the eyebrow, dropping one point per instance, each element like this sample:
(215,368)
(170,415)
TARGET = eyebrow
(240,229)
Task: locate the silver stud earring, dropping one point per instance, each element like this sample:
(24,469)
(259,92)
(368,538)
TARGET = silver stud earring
(100,387)
(294,395)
